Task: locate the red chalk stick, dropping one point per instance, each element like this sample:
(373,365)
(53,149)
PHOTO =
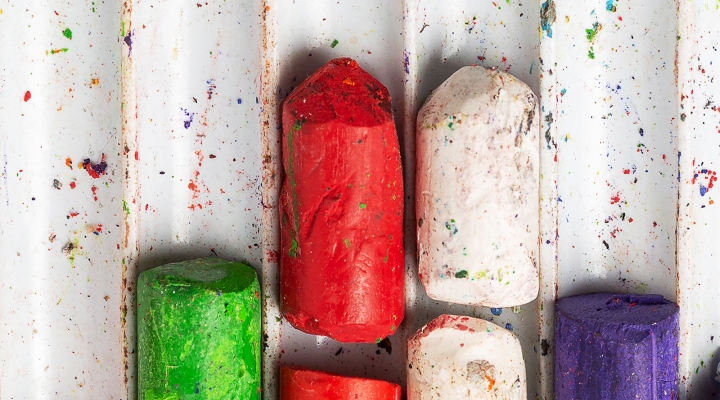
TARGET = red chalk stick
(341,207)
(302,384)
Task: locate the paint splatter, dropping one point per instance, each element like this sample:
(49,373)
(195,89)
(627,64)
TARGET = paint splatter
(334,43)
(547,17)
(706,179)
(68,162)
(128,42)
(94,192)
(407,62)
(239,101)
(67,33)
(94,169)
(189,115)
(615,198)
(27,97)
(55,51)
(610,5)
(73,185)
(590,35)
(211,88)
(56,184)
(496,311)
(451,226)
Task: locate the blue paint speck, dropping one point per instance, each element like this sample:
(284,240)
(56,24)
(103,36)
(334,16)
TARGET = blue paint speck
(496,311)
(239,101)
(509,326)
(703,190)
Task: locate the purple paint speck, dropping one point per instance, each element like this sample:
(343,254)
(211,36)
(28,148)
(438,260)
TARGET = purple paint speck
(128,41)
(188,114)
(407,62)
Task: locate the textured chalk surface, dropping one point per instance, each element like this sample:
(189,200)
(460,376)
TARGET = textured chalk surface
(199,331)
(341,207)
(477,190)
(616,346)
(456,357)
(303,384)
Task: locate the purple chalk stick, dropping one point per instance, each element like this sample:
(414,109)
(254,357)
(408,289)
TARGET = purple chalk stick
(616,346)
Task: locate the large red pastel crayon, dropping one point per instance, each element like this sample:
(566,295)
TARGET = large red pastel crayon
(341,207)
(302,384)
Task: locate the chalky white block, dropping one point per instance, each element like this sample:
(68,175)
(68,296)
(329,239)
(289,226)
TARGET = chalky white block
(457,358)
(477,198)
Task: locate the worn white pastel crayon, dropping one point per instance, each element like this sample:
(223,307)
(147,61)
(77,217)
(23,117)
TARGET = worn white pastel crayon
(477,198)
(458,358)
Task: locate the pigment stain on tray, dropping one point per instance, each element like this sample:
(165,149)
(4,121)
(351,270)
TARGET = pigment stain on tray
(94,169)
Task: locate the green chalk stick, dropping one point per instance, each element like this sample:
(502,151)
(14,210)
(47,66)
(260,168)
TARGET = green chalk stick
(199,331)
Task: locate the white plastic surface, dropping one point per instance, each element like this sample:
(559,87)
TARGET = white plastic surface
(135,72)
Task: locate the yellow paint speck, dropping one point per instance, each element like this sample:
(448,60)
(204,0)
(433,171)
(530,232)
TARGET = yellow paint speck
(567,19)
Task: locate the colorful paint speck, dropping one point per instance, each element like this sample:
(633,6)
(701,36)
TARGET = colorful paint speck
(334,43)
(610,5)
(590,35)
(547,17)
(67,33)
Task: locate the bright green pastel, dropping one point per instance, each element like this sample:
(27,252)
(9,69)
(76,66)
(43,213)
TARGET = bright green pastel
(199,331)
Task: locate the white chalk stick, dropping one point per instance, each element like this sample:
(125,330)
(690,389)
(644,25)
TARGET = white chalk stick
(477,190)
(458,358)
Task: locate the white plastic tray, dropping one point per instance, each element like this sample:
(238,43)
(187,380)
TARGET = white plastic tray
(182,97)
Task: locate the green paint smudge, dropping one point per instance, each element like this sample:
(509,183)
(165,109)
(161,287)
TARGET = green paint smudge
(334,43)
(125,208)
(55,51)
(363,206)
(461,274)
(293,248)
(67,33)
(347,242)
(590,33)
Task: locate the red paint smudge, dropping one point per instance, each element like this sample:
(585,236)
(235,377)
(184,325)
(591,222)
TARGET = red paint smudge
(615,199)
(27,97)
(620,18)
(137,156)
(94,192)
(630,220)
(272,256)
(74,214)
(555,157)
(654,224)
(99,228)
(663,156)
(72,185)
(504,59)
(626,172)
